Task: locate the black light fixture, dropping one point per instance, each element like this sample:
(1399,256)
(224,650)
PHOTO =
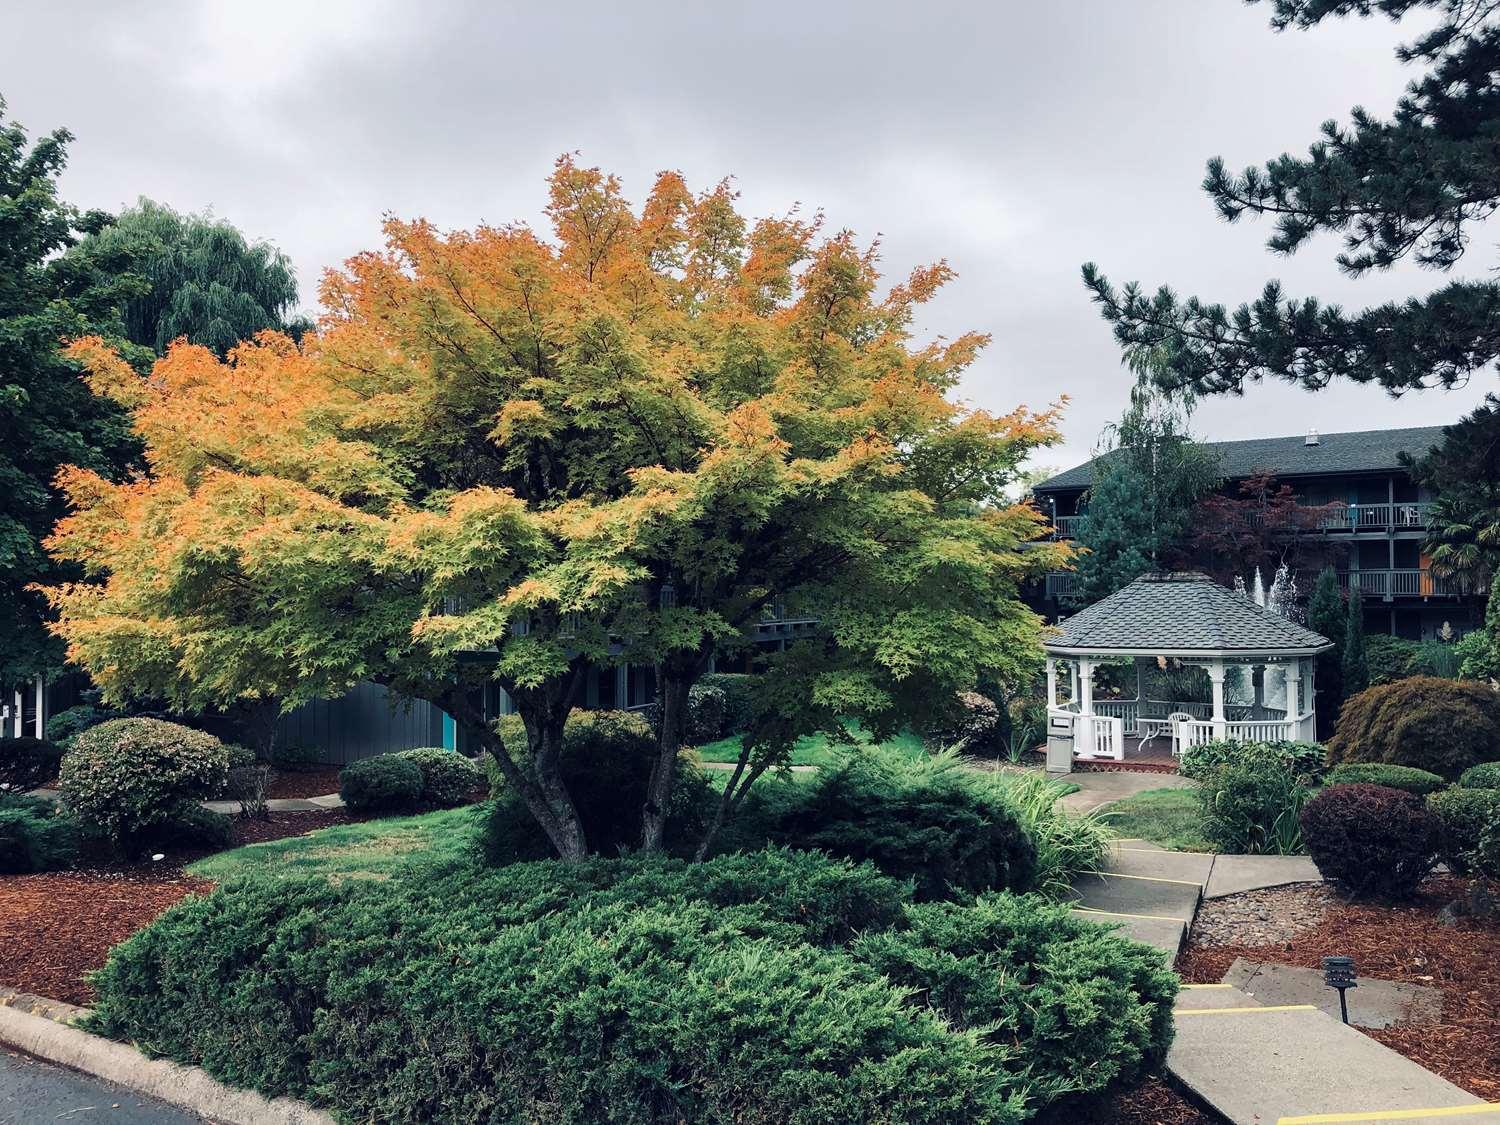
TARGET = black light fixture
(1338,972)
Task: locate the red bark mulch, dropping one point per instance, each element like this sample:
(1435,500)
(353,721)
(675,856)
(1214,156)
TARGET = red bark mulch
(1404,942)
(317,782)
(1155,1102)
(59,926)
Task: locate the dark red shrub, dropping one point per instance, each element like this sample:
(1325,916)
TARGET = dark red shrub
(1371,840)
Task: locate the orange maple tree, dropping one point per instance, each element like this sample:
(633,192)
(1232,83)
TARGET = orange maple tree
(509,458)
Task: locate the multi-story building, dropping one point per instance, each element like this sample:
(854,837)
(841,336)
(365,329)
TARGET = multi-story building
(1373,529)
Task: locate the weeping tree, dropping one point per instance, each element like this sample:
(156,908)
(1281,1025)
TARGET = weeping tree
(202,279)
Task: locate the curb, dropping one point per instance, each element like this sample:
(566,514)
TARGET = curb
(43,1028)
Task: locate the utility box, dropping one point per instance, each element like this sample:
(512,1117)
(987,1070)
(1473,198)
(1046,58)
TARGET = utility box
(1059,743)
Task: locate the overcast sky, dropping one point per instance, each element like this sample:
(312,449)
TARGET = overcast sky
(1018,140)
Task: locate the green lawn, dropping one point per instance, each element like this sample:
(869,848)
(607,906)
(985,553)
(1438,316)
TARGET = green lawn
(814,749)
(370,849)
(1169,817)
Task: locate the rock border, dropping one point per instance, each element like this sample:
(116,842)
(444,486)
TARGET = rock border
(45,1029)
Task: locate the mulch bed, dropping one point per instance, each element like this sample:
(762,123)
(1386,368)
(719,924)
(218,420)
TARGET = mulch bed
(317,782)
(58,926)
(1401,942)
(1155,1102)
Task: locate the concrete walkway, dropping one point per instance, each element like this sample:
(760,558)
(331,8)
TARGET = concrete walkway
(1254,1061)
(275,804)
(1095,790)
(1294,1065)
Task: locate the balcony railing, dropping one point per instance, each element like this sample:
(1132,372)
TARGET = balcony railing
(1061,583)
(1414,582)
(1409,516)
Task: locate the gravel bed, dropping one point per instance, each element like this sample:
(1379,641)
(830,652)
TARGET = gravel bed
(1267,917)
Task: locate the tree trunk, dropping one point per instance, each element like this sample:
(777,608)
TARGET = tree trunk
(735,789)
(673,700)
(542,789)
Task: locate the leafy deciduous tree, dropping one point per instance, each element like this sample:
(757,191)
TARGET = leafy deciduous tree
(48,416)
(503,458)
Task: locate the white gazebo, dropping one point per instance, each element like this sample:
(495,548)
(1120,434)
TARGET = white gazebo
(1259,667)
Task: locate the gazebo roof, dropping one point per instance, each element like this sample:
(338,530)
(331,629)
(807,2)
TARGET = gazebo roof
(1177,614)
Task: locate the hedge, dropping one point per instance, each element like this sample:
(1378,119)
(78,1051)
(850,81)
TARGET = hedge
(636,991)
(130,777)
(1406,778)
(28,763)
(1464,814)
(930,820)
(1486,775)
(36,835)
(448,778)
(1444,726)
(1370,840)
(385,784)
(1299,759)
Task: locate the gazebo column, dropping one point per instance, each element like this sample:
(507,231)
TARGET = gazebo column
(1051,683)
(1258,683)
(1085,686)
(1216,679)
(1292,674)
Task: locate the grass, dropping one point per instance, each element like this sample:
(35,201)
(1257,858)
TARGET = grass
(370,849)
(1168,817)
(814,749)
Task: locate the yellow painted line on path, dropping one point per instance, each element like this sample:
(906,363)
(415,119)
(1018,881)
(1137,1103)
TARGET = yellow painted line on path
(1239,1011)
(1186,986)
(1146,878)
(1118,914)
(1390,1114)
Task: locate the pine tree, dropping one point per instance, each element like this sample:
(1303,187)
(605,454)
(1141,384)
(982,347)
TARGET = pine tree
(1356,665)
(1327,615)
(1148,477)
(1410,187)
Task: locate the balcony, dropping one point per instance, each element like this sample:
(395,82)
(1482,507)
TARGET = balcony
(1061,583)
(1410,516)
(1416,582)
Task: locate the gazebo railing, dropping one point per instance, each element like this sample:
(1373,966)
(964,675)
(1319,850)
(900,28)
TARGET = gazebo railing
(1126,710)
(1198,731)
(1099,736)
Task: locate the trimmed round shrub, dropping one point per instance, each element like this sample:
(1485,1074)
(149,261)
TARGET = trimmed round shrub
(130,775)
(294,758)
(72,721)
(36,835)
(1485,858)
(388,783)
(606,763)
(447,776)
(1486,775)
(739,699)
(1253,806)
(1406,778)
(28,763)
(1306,760)
(1371,840)
(1464,814)
(929,820)
(733,992)
(1444,726)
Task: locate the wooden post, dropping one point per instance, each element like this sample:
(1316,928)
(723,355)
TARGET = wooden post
(1216,680)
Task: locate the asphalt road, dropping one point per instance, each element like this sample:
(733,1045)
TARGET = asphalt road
(33,1092)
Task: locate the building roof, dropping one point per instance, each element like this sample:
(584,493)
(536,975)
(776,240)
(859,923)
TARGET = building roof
(1358,451)
(1184,612)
